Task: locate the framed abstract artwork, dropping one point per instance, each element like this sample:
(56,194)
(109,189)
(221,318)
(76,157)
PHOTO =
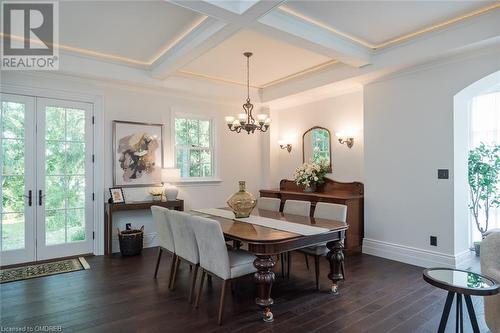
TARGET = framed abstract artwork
(137,154)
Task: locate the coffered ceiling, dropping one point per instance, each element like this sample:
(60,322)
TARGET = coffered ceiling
(297,45)
(272,60)
(135,32)
(376,23)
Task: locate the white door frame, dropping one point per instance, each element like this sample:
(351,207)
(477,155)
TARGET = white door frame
(98,186)
(28,253)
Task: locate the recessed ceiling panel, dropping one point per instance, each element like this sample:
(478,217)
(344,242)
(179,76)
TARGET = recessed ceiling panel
(377,22)
(272,59)
(137,30)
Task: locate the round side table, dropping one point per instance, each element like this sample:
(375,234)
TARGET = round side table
(460,283)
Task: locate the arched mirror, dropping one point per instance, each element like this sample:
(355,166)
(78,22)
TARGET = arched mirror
(316,145)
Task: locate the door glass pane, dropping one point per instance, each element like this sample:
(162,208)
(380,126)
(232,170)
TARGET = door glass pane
(12,120)
(65,175)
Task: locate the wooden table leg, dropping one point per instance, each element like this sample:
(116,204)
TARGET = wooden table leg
(335,257)
(264,278)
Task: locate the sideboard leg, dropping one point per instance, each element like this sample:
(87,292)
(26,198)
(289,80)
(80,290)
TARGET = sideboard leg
(264,278)
(336,259)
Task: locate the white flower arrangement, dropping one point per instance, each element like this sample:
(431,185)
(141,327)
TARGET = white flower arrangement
(311,173)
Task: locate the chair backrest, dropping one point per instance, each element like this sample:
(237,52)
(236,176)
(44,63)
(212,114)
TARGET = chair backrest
(162,222)
(269,204)
(330,211)
(184,238)
(297,207)
(212,246)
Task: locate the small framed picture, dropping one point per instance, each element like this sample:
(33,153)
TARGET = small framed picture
(116,195)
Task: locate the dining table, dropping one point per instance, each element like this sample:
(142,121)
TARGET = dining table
(267,234)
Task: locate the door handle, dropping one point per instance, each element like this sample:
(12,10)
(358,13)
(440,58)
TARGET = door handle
(40,197)
(29,197)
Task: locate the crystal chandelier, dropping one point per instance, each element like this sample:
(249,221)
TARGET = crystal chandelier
(246,121)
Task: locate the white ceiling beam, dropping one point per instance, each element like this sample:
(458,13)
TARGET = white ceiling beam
(315,38)
(474,33)
(219,26)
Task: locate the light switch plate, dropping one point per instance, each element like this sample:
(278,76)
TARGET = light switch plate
(443,174)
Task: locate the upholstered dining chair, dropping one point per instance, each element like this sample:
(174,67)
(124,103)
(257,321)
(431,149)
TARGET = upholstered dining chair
(186,246)
(328,211)
(166,239)
(217,260)
(294,207)
(297,207)
(269,204)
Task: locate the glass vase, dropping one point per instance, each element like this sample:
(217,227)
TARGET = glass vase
(242,202)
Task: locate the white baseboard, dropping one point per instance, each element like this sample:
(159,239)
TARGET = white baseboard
(150,240)
(414,256)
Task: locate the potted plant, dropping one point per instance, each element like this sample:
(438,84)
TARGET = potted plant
(310,174)
(484,169)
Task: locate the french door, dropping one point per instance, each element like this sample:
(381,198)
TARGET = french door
(46,161)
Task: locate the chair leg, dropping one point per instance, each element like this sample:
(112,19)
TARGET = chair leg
(307,261)
(200,288)
(221,303)
(282,259)
(172,267)
(174,273)
(193,283)
(289,264)
(158,261)
(316,269)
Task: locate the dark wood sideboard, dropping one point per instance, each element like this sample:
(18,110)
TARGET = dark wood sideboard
(349,194)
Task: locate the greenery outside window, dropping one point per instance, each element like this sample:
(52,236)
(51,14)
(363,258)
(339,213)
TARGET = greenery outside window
(194,147)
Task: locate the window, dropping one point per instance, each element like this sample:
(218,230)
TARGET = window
(194,151)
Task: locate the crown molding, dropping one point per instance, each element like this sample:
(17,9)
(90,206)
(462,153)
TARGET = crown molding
(114,57)
(396,40)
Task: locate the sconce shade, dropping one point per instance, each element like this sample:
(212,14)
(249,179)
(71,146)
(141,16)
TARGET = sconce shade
(170,175)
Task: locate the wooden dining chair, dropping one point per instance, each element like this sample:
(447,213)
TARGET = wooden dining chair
(272,204)
(166,239)
(328,211)
(217,260)
(186,246)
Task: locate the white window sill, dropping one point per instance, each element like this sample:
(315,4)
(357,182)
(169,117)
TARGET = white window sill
(198,181)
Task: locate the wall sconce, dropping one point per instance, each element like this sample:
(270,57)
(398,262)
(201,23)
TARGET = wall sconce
(285,145)
(345,139)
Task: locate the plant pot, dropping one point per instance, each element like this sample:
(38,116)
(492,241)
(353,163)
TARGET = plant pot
(310,188)
(477,248)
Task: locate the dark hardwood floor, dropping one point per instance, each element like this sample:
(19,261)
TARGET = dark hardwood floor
(119,295)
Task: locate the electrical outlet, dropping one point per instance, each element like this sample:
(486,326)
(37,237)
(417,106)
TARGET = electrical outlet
(434,241)
(443,174)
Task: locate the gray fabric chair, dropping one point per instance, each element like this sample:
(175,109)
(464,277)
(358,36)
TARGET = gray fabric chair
(186,246)
(490,266)
(328,211)
(216,259)
(269,204)
(297,207)
(166,239)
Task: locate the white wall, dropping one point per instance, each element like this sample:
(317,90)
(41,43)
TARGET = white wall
(339,113)
(146,105)
(408,136)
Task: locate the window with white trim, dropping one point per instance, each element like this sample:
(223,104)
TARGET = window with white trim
(194,147)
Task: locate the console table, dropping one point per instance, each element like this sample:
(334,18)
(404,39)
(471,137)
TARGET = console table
(349,194)
(110,208)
